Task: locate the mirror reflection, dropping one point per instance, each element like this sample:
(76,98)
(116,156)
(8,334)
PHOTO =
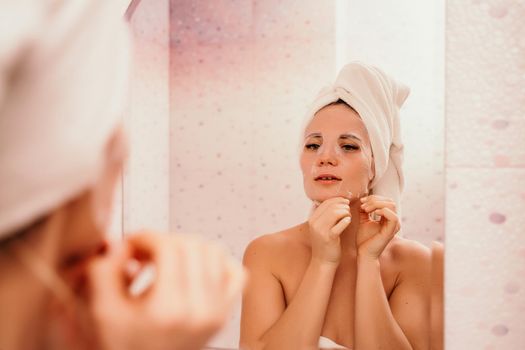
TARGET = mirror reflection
(245,81)
(343,279)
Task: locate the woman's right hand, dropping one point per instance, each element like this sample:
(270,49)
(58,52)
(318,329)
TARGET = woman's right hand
(190,298)
(327,222)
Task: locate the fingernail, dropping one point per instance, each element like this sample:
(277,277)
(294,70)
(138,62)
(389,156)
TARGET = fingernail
(363,199)
(143,280)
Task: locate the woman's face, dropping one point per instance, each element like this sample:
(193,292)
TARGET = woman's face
(336,157)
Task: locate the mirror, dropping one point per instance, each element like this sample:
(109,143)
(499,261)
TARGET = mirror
(216,128)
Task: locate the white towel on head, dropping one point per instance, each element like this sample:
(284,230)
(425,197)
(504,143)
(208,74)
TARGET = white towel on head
(377,99)
(64,69)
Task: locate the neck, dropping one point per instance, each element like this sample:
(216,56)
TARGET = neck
(348,237)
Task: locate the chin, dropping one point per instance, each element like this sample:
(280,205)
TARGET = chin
(320,195)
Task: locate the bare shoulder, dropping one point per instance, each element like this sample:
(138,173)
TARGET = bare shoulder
(410,255)
(272,247)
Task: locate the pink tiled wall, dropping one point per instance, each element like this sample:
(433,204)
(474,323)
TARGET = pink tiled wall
(242,74)
(146,177)
(485,167)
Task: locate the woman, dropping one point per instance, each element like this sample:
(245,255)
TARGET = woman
(63,74)
(343,279)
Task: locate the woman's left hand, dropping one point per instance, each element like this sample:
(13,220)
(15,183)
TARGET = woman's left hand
(373,236)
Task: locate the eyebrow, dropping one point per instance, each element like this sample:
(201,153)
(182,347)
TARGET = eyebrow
(343,136)
(350,136)
(314,134)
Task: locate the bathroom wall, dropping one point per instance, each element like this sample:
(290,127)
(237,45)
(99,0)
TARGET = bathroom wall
(242,74)
(146,178)
(485,175)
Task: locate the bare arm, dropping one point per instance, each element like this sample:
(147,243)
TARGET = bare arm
(436,299)
(401,322)
(266,322)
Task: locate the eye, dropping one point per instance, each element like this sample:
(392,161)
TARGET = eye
(312,146)
(349,147)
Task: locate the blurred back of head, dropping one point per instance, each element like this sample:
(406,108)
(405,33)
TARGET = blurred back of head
(64,69)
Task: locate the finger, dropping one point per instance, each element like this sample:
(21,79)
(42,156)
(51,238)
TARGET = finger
(216,272)
(166,253)
(236,276)
(338,207)
(340,226)
(236,280)
(226,279)
(142,280)
(107,278)
(226,293)
(376,204)
(199,296)
(390,223)
(326,204)
(375,197)
(315,205)
(332,217)
(364,216)
(133,268)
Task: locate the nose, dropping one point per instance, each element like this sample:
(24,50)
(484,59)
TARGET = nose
(326,157)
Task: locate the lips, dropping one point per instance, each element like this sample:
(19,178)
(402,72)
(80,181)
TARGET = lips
(327,177)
